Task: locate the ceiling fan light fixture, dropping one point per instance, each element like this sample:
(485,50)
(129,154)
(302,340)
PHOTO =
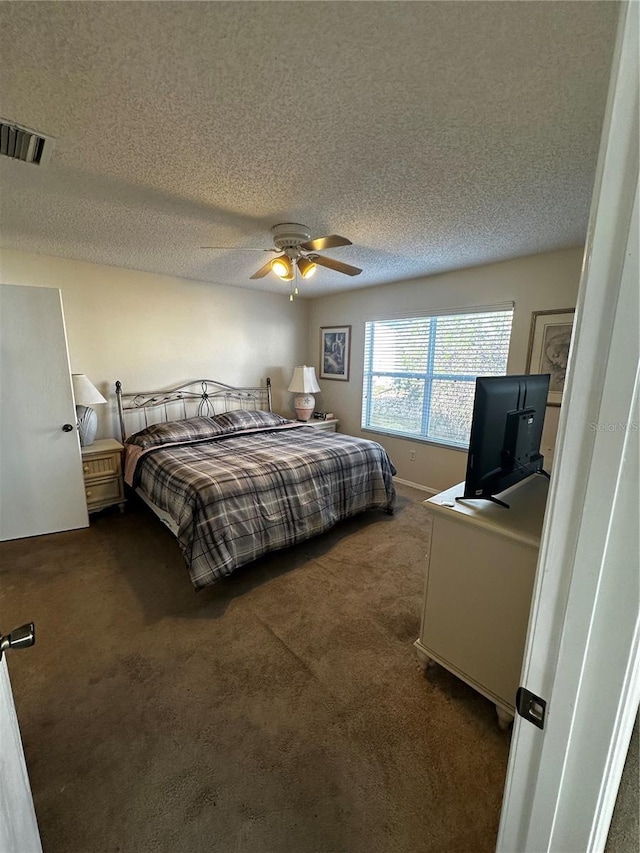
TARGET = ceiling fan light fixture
(292,244)
(306,267)
(282,267)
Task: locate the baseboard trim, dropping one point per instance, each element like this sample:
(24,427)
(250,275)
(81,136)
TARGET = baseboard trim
(418,486)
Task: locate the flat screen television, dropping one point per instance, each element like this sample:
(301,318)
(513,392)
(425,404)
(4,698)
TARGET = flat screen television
(506,429)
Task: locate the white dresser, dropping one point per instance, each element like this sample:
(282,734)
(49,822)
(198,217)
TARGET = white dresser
(480,572)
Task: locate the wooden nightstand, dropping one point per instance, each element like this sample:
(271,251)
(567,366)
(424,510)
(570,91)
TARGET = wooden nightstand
(330,425)
(102,471)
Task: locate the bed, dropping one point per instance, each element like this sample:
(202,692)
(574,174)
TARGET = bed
(233,480)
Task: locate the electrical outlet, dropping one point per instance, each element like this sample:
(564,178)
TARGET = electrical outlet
(412,456)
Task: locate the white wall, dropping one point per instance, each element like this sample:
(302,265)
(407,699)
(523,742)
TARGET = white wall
(536,283)
(154,331)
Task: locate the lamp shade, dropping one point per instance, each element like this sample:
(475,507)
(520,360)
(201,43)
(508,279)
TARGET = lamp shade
(84,391)
(304,381)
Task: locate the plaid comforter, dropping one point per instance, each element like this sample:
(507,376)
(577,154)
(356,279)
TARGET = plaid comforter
(235,498)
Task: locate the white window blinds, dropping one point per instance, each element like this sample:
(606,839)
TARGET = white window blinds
(420,372)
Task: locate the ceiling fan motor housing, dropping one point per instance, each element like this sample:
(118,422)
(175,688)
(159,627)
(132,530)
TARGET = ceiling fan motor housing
(288,235)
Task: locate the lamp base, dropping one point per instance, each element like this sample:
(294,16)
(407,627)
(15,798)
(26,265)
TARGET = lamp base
(87,425)
(304,405)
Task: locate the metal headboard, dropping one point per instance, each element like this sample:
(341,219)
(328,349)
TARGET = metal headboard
(202,397)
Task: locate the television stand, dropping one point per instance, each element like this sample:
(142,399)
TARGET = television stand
(485,498)
(495,500)
(480,573)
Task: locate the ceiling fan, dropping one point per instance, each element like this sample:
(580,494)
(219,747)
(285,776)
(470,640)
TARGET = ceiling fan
(299,252)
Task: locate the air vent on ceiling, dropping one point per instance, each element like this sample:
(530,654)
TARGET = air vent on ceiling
(20,143)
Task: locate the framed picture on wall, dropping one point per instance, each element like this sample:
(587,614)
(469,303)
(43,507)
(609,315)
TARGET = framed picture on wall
(335,352)
(549,341)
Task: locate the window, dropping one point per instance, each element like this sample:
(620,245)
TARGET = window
(420,372)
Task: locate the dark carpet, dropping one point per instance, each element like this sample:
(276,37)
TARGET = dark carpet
(281,711)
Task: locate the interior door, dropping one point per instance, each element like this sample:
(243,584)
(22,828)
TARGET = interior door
(583,647)
(41,485)
(18,826)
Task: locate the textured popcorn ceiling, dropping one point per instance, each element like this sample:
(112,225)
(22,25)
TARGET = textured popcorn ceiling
(433,135)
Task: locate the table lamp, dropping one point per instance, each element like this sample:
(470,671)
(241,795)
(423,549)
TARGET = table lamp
(305,385)
(86,395)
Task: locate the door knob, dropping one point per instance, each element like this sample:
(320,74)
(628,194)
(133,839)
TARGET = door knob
(67,428)
(19,638)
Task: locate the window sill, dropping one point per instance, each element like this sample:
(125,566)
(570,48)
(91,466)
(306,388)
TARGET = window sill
(439,444)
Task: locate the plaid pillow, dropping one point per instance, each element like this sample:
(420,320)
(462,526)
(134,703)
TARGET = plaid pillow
(243,419)
(191,429)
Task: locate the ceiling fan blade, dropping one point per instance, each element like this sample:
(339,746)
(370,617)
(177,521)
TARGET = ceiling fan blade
(239,248)
(338,266)
(265,269)
(322,243)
